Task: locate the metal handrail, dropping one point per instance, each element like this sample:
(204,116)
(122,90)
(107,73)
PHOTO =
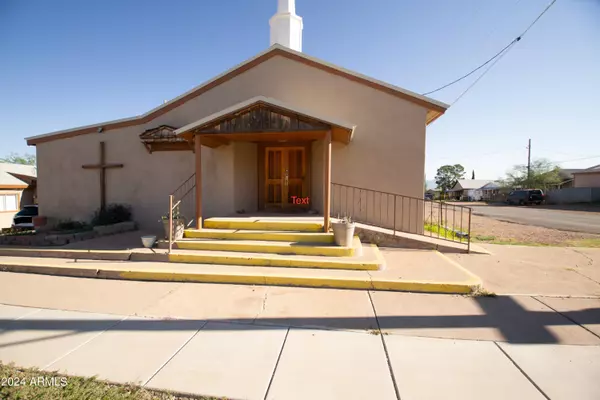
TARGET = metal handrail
(176,199)
(441,220)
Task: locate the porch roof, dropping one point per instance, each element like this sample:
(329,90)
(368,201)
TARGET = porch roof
(262,118)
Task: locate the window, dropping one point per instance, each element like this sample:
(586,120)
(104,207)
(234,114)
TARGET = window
(8,202)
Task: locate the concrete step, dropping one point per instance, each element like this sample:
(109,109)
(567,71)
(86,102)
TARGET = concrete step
(371,259)
(271,235)
(412,270)
(266,224)
(266,246)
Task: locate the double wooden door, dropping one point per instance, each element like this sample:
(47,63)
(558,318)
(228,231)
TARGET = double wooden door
(285,177)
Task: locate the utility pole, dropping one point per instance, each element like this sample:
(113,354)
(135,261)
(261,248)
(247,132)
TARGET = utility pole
(529,164)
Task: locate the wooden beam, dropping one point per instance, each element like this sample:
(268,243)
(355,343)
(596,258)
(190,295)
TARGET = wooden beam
(213,142)
(326,181)
(198,151)
(266,136)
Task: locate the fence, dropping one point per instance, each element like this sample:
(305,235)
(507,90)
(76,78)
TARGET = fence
(573,195)
(402,213)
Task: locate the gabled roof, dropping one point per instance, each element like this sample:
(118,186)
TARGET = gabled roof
(435,108)
(162,133)
(592,170)
(567,173)
(9,174)
(306,120)
(466,184)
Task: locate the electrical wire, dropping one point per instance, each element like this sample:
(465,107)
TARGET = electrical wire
(496,57)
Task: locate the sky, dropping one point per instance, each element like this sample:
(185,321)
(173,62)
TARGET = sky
(68,63)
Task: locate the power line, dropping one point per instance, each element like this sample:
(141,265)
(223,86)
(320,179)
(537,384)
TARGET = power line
(577,159)
(475,70)
(496,57)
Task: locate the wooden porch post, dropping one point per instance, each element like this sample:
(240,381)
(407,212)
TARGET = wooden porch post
(198,151)
(326,181)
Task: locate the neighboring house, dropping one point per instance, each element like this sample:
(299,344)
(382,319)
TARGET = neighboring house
(491,190)
(588,178)
(17,188)
(280,126)
(566,176)
(469,189)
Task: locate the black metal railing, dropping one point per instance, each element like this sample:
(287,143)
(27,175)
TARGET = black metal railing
(401,213)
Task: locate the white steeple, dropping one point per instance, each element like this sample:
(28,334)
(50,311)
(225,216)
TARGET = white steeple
(286,26)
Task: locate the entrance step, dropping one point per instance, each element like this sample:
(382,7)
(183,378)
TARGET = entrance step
(266,224)
(271,235)
(266,246)
(371,259)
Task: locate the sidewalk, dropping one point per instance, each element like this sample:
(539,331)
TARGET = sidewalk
(257,342)
(278,362)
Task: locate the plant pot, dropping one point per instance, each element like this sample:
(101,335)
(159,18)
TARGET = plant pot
(343,233)
(148,241)
(178,228)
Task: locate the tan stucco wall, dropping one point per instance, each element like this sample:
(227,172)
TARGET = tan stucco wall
(587,180)
(245,176)
(6,217)
(387,153)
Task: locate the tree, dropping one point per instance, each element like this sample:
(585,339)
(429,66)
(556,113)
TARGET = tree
(14,158)
(447,176)
(543,174)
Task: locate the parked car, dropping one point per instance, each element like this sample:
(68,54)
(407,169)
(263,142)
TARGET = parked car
(24,218)
(525,196)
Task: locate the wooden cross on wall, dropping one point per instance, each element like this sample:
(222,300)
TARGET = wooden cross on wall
(103,166)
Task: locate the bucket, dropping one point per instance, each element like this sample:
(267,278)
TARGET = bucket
(148,241)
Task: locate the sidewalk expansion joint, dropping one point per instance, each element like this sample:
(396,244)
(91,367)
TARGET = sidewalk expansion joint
(567,317)
(174,354)
(385,349)
(522,371)
(84,343)
(277,363)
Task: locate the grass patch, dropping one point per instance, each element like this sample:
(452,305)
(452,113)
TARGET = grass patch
(594,243)
(483,238)
(482,292)
(444,232)
(494,240)
(585,243)
(30,383)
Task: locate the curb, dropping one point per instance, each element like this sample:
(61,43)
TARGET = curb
(356,283)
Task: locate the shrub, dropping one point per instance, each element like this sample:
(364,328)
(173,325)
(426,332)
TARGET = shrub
(69,225)
(112,214)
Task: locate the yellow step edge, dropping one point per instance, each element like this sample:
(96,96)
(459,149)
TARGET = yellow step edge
(364,281)
(287,248)
(266,235)
(265,261)
(264,225)
(361,283)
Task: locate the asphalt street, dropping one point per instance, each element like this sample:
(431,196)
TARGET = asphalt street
(577,221)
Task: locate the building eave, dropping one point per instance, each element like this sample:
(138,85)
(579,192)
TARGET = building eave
(435,108)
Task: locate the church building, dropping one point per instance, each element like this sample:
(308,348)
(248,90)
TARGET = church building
(275,133)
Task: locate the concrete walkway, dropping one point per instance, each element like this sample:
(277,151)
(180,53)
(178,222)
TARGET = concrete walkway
(253,361)
(258,342)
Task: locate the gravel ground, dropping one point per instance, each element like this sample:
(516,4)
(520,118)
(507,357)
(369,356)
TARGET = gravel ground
(485,229)
(500,231)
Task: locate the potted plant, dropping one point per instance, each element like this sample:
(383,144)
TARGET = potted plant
(343,231)
(178,224)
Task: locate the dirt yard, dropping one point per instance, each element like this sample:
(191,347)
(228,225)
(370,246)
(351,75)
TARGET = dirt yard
(489,230)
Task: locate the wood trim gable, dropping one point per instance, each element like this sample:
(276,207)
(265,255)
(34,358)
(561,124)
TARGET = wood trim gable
(2,187)
(436,110)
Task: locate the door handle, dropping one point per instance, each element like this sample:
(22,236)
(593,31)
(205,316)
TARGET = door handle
(287,176)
